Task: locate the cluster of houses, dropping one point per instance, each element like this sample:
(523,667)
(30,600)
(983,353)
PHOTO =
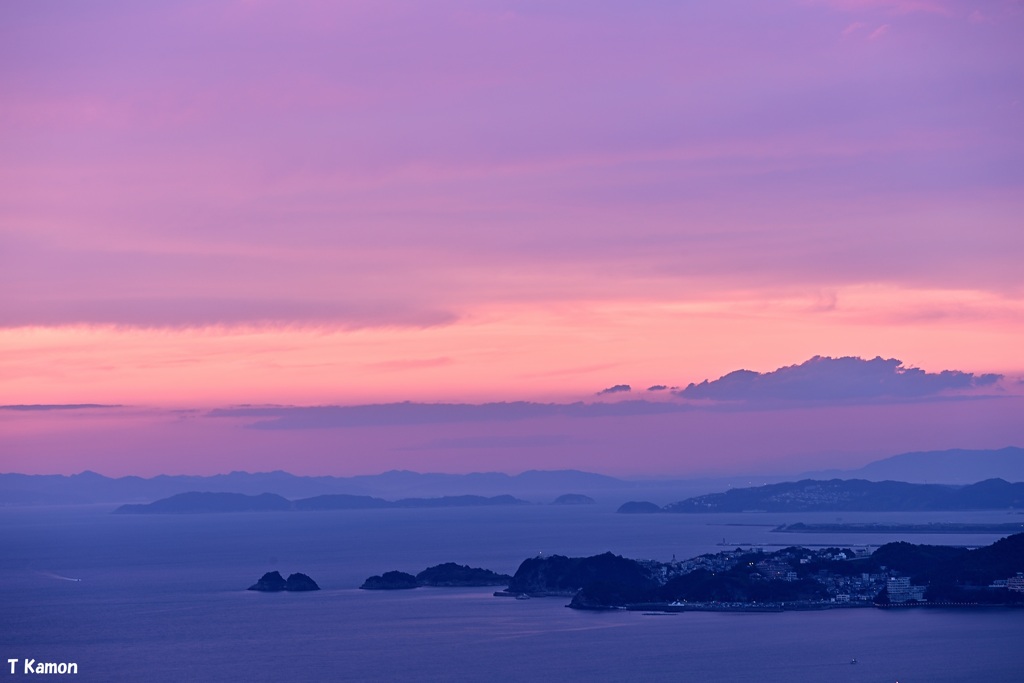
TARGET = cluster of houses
(788,565)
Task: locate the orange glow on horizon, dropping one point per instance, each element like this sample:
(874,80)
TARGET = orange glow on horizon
(554,352)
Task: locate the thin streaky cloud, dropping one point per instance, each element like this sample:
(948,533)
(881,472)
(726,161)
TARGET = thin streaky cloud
(879,32)
(355,204)
(59,406)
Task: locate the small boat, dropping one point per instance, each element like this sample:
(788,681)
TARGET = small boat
(522,596)
(853,661)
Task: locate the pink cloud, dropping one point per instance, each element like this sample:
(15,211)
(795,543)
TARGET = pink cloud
(879,32)
(374,201)
(694,444)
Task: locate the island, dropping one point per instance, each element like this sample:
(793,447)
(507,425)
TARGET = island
(450,574)
(573,499)
(795,578)
(897,528)
(447,575)
(390,581)
(300,582)
(849,495)
(638,507)
(557,575)
(206,502)
(273,582)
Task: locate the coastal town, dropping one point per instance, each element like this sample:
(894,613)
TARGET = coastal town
(752,579)
(839,586)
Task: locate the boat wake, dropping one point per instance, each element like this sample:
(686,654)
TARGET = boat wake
(58,576)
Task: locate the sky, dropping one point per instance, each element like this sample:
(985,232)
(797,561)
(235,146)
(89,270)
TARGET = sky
(205,205)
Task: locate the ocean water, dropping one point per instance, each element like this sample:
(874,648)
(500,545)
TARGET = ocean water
(161,598)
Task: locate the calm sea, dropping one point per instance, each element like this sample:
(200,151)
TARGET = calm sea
(161,598)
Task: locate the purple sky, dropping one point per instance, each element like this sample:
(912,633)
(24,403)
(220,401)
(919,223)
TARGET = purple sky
(204,204)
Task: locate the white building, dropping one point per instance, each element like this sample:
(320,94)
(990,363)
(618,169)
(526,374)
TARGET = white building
(900,590)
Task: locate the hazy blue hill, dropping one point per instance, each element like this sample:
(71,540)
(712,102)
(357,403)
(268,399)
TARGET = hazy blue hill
(340,501)
(954,466)
(985,493)
(203,501)
(573,499)
(638,507)
(810,495)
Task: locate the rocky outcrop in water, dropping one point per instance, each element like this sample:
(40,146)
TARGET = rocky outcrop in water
(447,575)
(560,575)
(390,581)
(300,582)
(273,582)
(450,574)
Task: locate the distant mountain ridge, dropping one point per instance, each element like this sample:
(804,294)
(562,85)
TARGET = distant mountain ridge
(90,487)
(957,466)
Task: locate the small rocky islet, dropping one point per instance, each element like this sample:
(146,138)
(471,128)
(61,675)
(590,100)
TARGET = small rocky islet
(447,575)
(574,499)
(390,581)
(273,582)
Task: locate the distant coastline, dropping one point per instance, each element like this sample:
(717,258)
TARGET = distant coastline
(847,495)
(877,528)
(203,502)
